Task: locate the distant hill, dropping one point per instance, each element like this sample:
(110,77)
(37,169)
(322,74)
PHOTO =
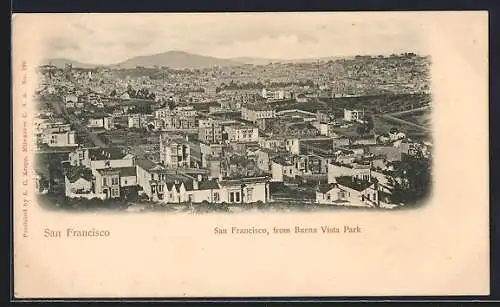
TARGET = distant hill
(182,60)
(176,60)
(61,63)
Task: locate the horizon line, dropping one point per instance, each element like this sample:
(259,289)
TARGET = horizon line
(230,59)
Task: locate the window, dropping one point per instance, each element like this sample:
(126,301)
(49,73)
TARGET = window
(216,196)
(114,181)
(104,181)
(328,196)
(160,188)
(125,181)
(249,194)
(231,197)
(237,196)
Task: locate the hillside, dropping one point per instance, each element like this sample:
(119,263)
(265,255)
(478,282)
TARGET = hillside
(176,60)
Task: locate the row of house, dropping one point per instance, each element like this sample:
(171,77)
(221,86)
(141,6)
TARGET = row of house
(159,183)
(54,133)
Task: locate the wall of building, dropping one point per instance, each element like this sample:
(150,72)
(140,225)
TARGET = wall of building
(101,164)
(128,181)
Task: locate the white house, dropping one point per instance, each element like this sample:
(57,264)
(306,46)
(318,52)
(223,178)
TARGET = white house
(353,115)
(350,191)
(78,183)
(105,122)
(359,171)
(244,190)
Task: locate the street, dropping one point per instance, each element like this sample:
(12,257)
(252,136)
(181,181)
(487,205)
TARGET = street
(61,109)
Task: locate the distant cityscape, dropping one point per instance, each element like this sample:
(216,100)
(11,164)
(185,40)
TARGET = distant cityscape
(321,134)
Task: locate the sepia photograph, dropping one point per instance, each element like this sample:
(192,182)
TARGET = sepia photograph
(272,154)
(262,115)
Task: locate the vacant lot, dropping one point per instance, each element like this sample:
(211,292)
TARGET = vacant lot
(380,103)
(422,118)
(383,125)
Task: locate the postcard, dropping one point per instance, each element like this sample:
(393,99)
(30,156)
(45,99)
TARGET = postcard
(219,155)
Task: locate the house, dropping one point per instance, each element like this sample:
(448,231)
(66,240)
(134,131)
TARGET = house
(99,158)
(125,96)
(330,194)
(353,115)
(360,171)
(283,166)
(263,157)
(70,101)
(105,122)
(395,135)
(211,131)
(128,176)
(292,145)
(271,142)
(390,153)
(80,104)
(255,112)
(58,135)
(273,95)
(359,192)
(137,121)
(323,117)
(161,113)
(244,190)
(205,190)
(206,150)
(149,175)
(78,183)
(326,129)
(241,133)
(184,111)
(175,151)
(300,129)
(107,182)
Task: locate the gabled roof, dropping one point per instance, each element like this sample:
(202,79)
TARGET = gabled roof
(75,173)
(353,183)
(323,188)
(208,185)
(111,153)
(146,164)
(127,171)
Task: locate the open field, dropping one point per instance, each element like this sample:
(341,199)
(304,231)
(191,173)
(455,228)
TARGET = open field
(379,104)
(384,124)
(421,117)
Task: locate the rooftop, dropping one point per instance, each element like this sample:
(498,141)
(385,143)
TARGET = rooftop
(147,165)
(323,188)
(353,183)
(75,173)
(112,153)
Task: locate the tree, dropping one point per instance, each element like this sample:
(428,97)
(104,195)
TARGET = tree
(414,180)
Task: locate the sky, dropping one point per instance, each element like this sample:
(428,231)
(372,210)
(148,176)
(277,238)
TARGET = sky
(113,38)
